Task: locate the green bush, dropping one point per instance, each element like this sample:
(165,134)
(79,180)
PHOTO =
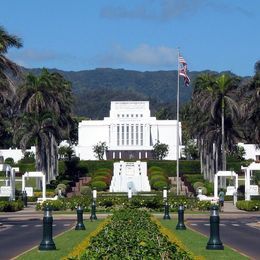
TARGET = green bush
(198,184)
(155,169)
(9,161)
(157,178)
(101,174)
(99,185)
(86,191)
(248,205)
(11,206)
(159,185)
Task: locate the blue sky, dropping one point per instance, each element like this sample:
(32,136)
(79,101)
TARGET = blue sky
(138,34)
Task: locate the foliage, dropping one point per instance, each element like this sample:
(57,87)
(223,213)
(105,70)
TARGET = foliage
(143,236)
(9,161)
(28,157)
(191,150)
(160,150)
(99,185)
(99,150)
(66,152)
(251,205)
(86,191)
(11,206)
(237,153)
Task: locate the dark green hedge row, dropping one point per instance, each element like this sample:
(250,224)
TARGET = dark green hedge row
(110,203)
(11,206)
(187,167)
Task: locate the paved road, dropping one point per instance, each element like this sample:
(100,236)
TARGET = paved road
(17,236)
(242,234)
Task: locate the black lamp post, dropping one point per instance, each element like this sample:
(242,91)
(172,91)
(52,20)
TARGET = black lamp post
(181,225)
(93,205)
(214,240)
(47,241)
(24,198)
(166,205)
(80,224)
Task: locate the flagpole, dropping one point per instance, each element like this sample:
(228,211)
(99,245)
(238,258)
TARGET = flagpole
(177,130)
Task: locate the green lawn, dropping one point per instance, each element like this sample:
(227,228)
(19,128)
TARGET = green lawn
(196,243)
(64,243)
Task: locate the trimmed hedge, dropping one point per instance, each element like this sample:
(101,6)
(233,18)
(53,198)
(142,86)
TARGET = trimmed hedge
(248,205)
(99,185)
(187,167)
(11,206)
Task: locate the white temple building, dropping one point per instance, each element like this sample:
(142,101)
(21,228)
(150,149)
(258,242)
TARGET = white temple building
(129,132)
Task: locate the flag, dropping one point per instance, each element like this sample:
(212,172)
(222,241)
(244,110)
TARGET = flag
(183,71)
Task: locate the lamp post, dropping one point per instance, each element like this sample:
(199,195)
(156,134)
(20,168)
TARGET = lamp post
(130,193)
(214,240)
(24,197)
(93,206)
(47,241)
(166,205)
(181,225)
(80,225)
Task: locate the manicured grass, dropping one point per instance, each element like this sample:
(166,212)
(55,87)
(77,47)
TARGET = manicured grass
(64,243)
(196,243)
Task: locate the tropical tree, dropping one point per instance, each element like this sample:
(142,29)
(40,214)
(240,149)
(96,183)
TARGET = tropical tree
(8,71)
(212,108)
(160,150)
(100,149)
(44,101)
(250,103)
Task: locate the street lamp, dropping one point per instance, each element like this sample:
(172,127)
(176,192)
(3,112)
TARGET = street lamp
(166,205)
(93,206)
(130,193)
(214,240)
(181,225)
(47,241)
(80,225)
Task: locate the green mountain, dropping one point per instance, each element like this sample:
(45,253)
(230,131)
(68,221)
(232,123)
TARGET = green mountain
(94,89)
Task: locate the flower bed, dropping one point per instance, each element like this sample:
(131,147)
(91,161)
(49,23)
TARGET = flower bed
(132,235)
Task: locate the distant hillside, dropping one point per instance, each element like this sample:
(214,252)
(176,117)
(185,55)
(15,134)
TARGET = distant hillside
(94,89)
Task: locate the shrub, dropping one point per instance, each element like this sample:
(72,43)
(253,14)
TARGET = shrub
(156,178)
(9,161)
(11,206)
(99,185)
(251,205)
(198,184)
(86,190)
(160,185)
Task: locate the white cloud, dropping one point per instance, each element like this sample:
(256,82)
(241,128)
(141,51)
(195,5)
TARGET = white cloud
(143,55)
(165,10)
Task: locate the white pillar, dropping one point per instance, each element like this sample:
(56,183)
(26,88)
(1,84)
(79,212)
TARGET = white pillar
(216,186)
(247,184)
(44,187)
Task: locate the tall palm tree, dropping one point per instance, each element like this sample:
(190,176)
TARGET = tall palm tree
(250,103)
(8,71)
(47,96)
(213,106)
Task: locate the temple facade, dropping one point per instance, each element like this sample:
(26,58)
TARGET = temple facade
(129,132)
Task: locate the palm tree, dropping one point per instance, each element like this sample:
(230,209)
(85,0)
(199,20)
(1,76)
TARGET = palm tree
(7,67)
(47,96)
(250,103)
(213,106)
(8,70)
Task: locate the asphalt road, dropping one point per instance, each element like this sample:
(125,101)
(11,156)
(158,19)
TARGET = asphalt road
(17,236)
(237,233)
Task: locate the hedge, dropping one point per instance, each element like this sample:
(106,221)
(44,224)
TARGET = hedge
(248,205)
(11,206)
(186,166)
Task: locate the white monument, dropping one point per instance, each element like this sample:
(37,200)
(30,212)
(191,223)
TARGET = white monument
(129,132)
(130,176)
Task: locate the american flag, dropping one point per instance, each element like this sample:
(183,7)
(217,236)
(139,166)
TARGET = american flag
(183,71)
